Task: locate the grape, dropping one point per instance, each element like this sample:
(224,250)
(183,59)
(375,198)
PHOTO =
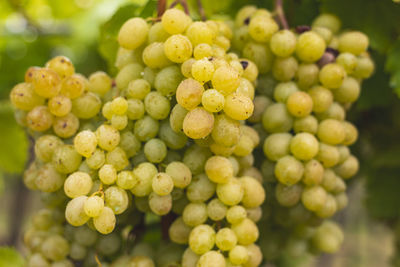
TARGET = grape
(262,28)
(246,231)
(283,43)
(299,104)
(105,222)
(162,184)
(107,137)
(219,169)
(74,86)
(99,83)
(314,197)
(310,47)
(60,105)
(130,144)
(77,184)
(211,258)
(328,155)
(138,89)
(348,92)
(86,106)
(126,180)
(365,67)
(160,205)
(133,33)
(62,65)
(75,213)
(276,118)
(144,173)
(66,126)
(331,131)
(277,146)
(226,131)
(23,96)
(195,214)
(307,75)
(45,146)
(231,192)
(200,189)
(45,82)
(254,194)
(289,170)
(288,196)
(156,105)
(225,79)
(93,206)
(65,159)
(201,51)
(55,248)
(167,80)
(238,106)
(116,198)
(39,119)
(189,258)
(329,21)
(283,90)
(238,255)
(179,232)
(304,146)
(284,69)
(85,143)
(189,94)
(118,158)
(198,123)
(37,260)
(78,252)
(313,172)
(155,150)
(178,48)
(328,237)
(198,32)
(108,174)
(332,75)
(216,210)
(202,239)
(146,128)
(353,42)
(175,21)
(180,174)
(348,168)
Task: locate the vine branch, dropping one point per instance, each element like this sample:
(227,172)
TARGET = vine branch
(161,7)
(281,14)
(201,10)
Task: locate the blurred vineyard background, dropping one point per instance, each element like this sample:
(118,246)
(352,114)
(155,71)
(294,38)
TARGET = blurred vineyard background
(32,31)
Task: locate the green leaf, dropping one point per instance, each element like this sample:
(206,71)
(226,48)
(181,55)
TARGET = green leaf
(9,257)
(149,9)
(109,31)
(13,141)
(393,66)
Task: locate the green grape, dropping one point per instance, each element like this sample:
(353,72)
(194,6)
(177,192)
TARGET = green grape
(39,119)
(238,106)
(155,150)
(154,56)
(65,159)
(78,184)
(211,258)
(288,196)
(117,158)
(246,88)
(138,89)
(126,180)
(93,206)
(322,98)
(277,145)
(180,174)
(37,260)
(202,70)
(351,133)
(202,239)
(171,138)
(160,205)
(307,75)
(85,143)
(108,174)
(284,69)
(179,233)
(255,256)
(45,146)
(157,33)
(55,247)
(353,42)
(283,43)
(231,192)
(243,14)
(99,83)
(219,169)
(119,106)
(254,194)
(200,189)
(146,128)
(157,106)
(365,67)
(133,33)
(189,93)
(335,111)
(304,146)
(328,237)
(194,214)
(246,231)
(178,48)
(244,147)
(23,97)
(144,173)
(176,117)
(74,86)
(78,252)
(198,123)
(175,21)
(308,124)
(238,255)
(162,184)
(198,32)
(225,239)
(332,75)
(310,47)
(216,210)
(348,61)
(116,198)
(119,122)
(195,158)
(225,79)
(314,197)
(250,70)
(299,104)
(212,100)
(289,170)
(167,80)
(62,65)
(86,106)
(276,118)
(135,110)
(45,82)
(105,222)
(186,68)
(226,131)
(348,168)
(236,214)
(66,126)
(189,258)
(328,155)
(313,173)
(75,213)
(262,28)
(329,181)
(108,244)
(329,21)
(331,131)
(323,32)
(283,90)
(108,137)
(260,104)
(348,92)
(62,263)
(201,51)
(59,105)
(128,73)
(49,179)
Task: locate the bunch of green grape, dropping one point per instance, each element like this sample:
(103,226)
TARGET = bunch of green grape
(310,77)
(165,137)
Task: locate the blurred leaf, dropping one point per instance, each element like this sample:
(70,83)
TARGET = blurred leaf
(13,141)
(149,9)
(9,257)
(108,45)
(393,66)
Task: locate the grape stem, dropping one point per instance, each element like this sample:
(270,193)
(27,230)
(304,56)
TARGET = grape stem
(161,7)
(201,10)
(281,14)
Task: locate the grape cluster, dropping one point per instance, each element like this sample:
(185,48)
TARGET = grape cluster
(310,77)
(164,137)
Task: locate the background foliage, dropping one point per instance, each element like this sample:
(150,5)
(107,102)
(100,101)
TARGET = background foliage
(32,31)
